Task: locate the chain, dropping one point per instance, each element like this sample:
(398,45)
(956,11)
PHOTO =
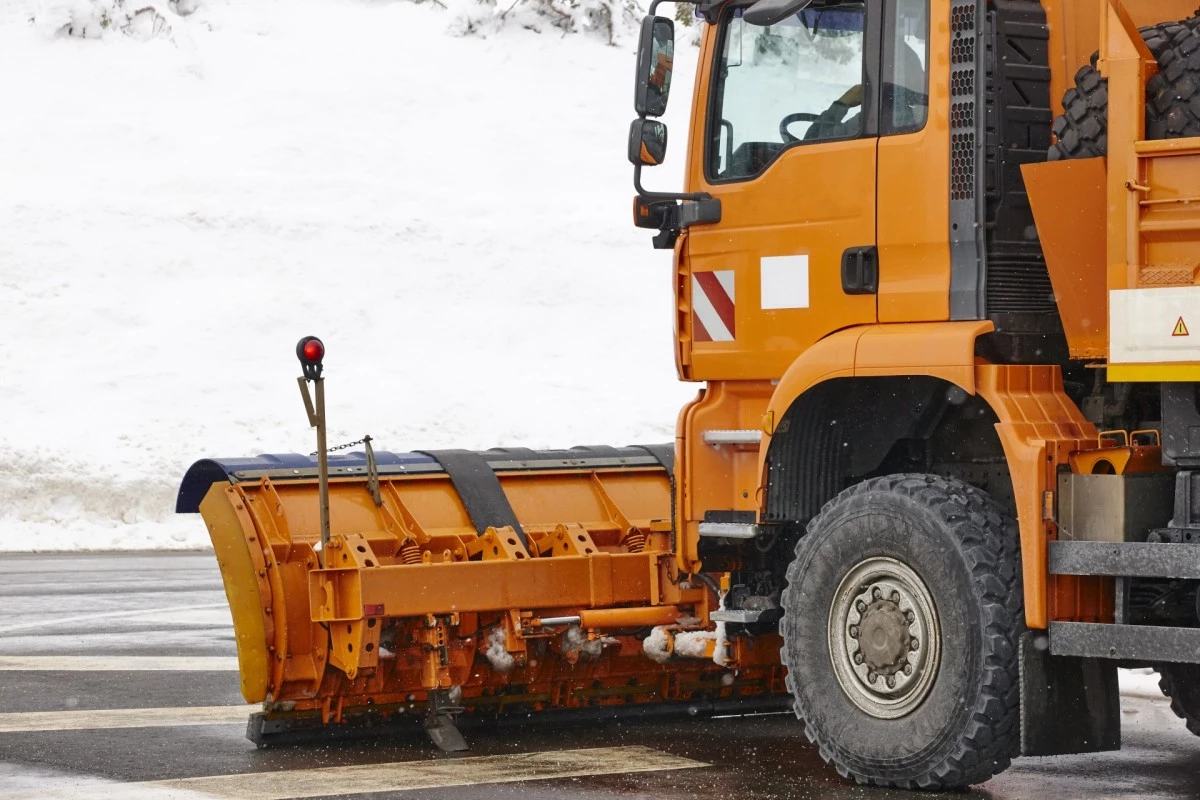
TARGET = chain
(345,446)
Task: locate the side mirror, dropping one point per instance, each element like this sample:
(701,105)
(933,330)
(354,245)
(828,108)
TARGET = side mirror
(656,54)
(647,142)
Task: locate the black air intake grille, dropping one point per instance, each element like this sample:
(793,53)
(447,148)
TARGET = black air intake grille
(962,18)
(1019,286)
(962,101)
(962,166)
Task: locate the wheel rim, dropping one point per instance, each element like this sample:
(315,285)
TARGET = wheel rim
(884,638)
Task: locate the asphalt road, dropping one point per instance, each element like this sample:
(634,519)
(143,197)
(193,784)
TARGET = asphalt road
(118,679)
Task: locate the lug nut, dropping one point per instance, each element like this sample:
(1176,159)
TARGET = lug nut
(876,594)
(914,645)
(910,616)
(908,669)
(858,658)
(853,631)
(895,596)
(872,677)
(860,606)
(891,682)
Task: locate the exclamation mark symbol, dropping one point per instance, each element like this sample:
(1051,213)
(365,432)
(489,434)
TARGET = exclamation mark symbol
(1181,328)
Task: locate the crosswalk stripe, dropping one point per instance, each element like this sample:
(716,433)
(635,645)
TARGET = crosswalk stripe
(118,663)
(29,721)
(141,612)
(432,773)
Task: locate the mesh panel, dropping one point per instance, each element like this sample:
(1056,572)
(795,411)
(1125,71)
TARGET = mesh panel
(962,100)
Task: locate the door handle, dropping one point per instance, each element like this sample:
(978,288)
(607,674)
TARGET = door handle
(860,270)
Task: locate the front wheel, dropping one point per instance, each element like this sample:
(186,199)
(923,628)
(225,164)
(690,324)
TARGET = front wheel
(901,620)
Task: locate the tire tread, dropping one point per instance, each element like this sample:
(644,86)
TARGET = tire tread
(1172,96)
(991,548)
(1180,683)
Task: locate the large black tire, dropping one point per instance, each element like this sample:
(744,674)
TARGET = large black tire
(957,720)
(1174,93)
(1181,683)
(1172,96)
(1082,130)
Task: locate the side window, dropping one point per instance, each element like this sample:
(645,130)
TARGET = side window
(905,90)
(797,81)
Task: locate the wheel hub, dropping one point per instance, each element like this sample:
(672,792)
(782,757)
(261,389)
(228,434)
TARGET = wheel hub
(884,639)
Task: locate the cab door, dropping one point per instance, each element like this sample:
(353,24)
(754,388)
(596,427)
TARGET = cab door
(789,146)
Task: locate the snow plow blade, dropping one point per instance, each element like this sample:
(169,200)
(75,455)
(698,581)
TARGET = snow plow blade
(494,583)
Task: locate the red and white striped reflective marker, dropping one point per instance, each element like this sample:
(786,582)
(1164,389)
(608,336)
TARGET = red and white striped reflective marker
(713,306)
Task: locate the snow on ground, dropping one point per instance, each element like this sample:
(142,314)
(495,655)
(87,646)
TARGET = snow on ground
(450,214)
(1141,682)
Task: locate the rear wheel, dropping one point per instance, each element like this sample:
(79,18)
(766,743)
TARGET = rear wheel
(1172,96)
(1181,683)
(900,628)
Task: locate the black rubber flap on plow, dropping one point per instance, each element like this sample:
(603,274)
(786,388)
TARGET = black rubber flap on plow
(663,453)
(479,489)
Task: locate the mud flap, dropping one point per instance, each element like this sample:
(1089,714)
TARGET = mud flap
(1068,705)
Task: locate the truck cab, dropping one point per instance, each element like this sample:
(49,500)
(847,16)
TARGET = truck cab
(942,239)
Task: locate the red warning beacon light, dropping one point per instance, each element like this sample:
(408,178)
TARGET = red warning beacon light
(310,350)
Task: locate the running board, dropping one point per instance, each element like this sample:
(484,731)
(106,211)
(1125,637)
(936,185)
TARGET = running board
(1125,559)
(738,615)
(733,437)
(728,530)
(1125,642)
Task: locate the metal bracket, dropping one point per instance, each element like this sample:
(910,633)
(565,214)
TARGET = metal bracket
(439,725)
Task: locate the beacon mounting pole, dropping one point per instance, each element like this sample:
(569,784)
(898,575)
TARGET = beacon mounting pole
(311,351)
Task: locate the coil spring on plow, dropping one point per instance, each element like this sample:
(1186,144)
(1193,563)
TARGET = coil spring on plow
(410,553)
(635,541)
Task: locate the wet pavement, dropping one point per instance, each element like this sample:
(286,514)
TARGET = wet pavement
(98,639)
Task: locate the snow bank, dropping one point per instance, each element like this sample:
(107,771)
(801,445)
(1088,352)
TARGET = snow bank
(451,215)
(91,19)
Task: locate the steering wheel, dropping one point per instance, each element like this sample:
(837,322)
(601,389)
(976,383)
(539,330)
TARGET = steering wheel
(799,116)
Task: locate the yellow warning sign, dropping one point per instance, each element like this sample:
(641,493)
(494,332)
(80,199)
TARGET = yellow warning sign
(1181,328)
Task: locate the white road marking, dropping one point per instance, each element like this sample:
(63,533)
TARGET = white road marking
(397,776)
(29,721)
(28,781)
(118,663)
(24,626)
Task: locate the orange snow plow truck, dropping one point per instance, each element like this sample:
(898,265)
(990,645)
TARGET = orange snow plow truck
(936,273)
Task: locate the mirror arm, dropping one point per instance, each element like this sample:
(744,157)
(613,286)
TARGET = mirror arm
(648,195)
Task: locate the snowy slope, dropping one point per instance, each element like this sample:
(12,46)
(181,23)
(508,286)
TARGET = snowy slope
(450,214)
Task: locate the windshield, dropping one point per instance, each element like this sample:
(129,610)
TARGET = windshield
(798,80)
